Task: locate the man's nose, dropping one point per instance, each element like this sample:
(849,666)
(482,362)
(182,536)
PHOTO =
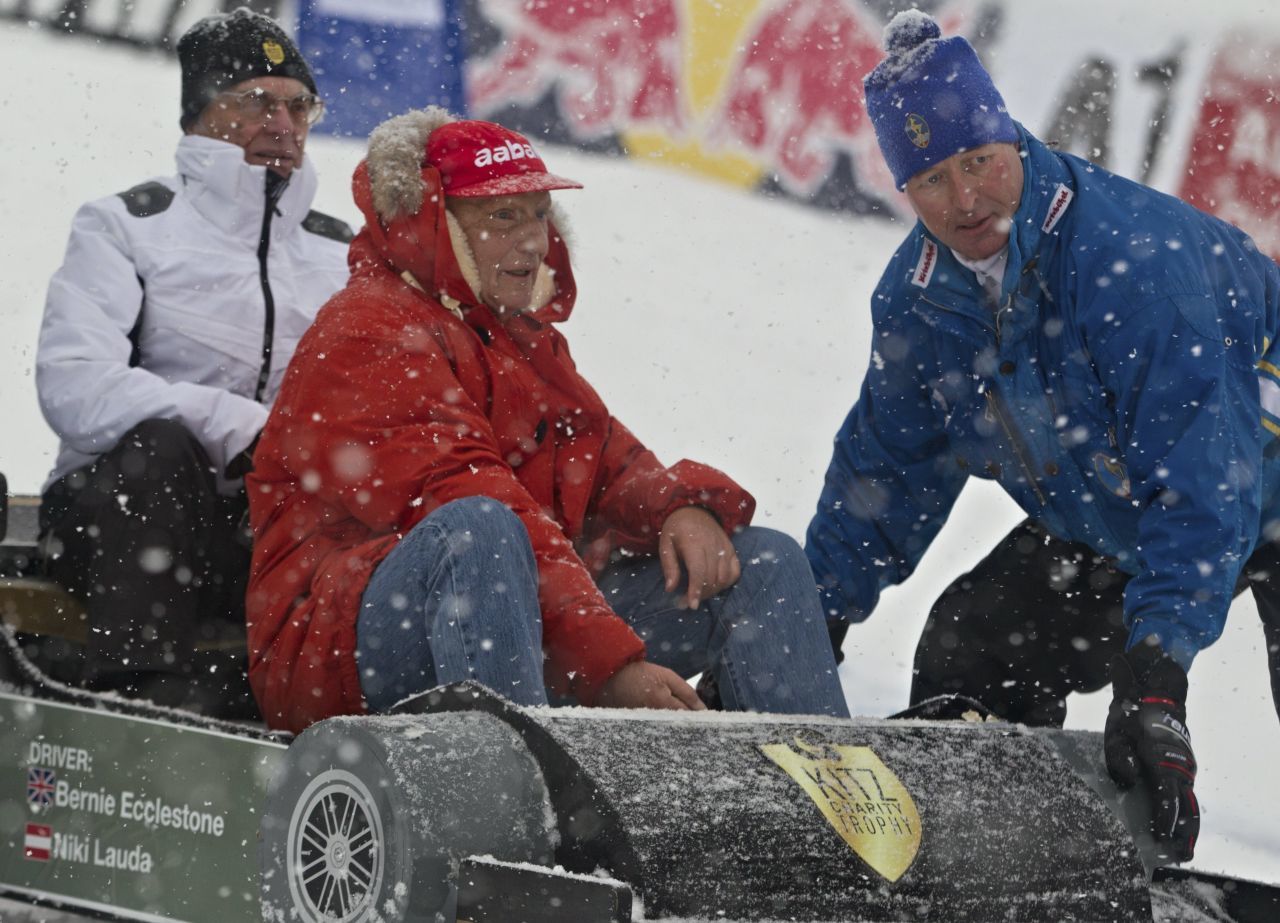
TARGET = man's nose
(966,192)
(278,117)
(533,239)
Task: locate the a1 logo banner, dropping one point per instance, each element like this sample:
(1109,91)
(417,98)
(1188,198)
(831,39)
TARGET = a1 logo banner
(1233,167)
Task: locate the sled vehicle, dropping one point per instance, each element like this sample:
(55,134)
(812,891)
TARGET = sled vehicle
(462,808)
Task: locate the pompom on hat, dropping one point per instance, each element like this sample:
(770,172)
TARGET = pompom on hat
(228,48)
(931,98)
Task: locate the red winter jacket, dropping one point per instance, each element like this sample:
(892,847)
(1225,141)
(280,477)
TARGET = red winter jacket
(393,406)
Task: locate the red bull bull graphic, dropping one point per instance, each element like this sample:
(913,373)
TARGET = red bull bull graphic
(794,98)
(609,63)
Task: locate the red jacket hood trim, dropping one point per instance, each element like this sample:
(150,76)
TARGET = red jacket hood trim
(420,244)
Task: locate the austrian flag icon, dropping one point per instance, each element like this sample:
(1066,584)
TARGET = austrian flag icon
(38,842)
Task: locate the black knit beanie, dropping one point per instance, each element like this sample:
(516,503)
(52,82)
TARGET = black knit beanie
(221,51)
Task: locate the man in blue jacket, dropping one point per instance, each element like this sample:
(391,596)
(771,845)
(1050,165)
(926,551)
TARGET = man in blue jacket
(1102,350)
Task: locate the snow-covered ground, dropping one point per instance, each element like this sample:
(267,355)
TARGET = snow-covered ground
(719,326)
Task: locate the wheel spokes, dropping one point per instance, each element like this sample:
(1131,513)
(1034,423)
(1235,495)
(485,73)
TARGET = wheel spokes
(336,853)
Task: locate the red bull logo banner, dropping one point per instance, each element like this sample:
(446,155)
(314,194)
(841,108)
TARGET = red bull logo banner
(762,93)
(1234,161)
(767,94)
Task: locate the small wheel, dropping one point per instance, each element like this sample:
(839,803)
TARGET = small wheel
(368,819)
(336,847)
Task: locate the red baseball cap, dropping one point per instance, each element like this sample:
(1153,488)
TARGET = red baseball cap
(478,158)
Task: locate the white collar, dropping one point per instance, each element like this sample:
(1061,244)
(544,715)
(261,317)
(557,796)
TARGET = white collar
(231,193)
(990,271)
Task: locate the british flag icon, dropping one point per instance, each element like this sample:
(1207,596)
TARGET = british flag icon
(40,786)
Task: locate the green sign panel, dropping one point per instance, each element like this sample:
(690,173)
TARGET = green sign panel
(138,817)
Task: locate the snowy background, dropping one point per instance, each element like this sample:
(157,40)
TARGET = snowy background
(718,325)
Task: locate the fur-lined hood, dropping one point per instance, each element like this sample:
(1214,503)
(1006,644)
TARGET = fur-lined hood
(408,226)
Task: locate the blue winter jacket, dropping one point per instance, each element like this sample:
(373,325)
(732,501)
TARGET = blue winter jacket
(1124,393)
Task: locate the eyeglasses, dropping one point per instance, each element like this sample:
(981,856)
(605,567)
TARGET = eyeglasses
(258,104)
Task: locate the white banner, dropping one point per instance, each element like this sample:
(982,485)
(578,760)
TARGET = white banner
(419,14)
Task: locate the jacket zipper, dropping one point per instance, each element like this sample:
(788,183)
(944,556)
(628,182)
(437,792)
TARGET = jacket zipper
(271,196)
(993,403)
(1015,442)
(1015,439)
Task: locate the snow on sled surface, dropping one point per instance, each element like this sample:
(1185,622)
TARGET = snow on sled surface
(761,817)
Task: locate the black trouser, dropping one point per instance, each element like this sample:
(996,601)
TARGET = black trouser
(158,556)
(1040,618)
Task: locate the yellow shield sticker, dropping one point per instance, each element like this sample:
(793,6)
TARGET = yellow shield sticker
(860,797)
(273,51)
(917,130)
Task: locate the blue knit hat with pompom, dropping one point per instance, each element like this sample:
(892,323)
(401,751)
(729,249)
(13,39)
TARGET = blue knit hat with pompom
(931,98)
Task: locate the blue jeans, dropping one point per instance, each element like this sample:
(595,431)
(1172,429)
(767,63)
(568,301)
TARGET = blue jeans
(457,599)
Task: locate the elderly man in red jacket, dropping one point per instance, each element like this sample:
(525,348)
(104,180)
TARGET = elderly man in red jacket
(439,495)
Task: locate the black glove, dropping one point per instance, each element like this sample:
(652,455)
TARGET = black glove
(709,691)
(1146,741)
(837,630)
(242,462)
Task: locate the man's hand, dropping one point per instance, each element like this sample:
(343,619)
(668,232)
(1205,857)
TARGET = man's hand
(1146,741)
(691,536)
(646,685)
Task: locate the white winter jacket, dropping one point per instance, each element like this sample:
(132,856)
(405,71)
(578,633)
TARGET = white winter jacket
(220,314)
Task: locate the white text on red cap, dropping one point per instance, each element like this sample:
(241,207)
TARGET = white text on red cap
(509,151)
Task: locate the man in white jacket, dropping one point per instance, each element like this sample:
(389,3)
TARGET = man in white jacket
(166,332)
